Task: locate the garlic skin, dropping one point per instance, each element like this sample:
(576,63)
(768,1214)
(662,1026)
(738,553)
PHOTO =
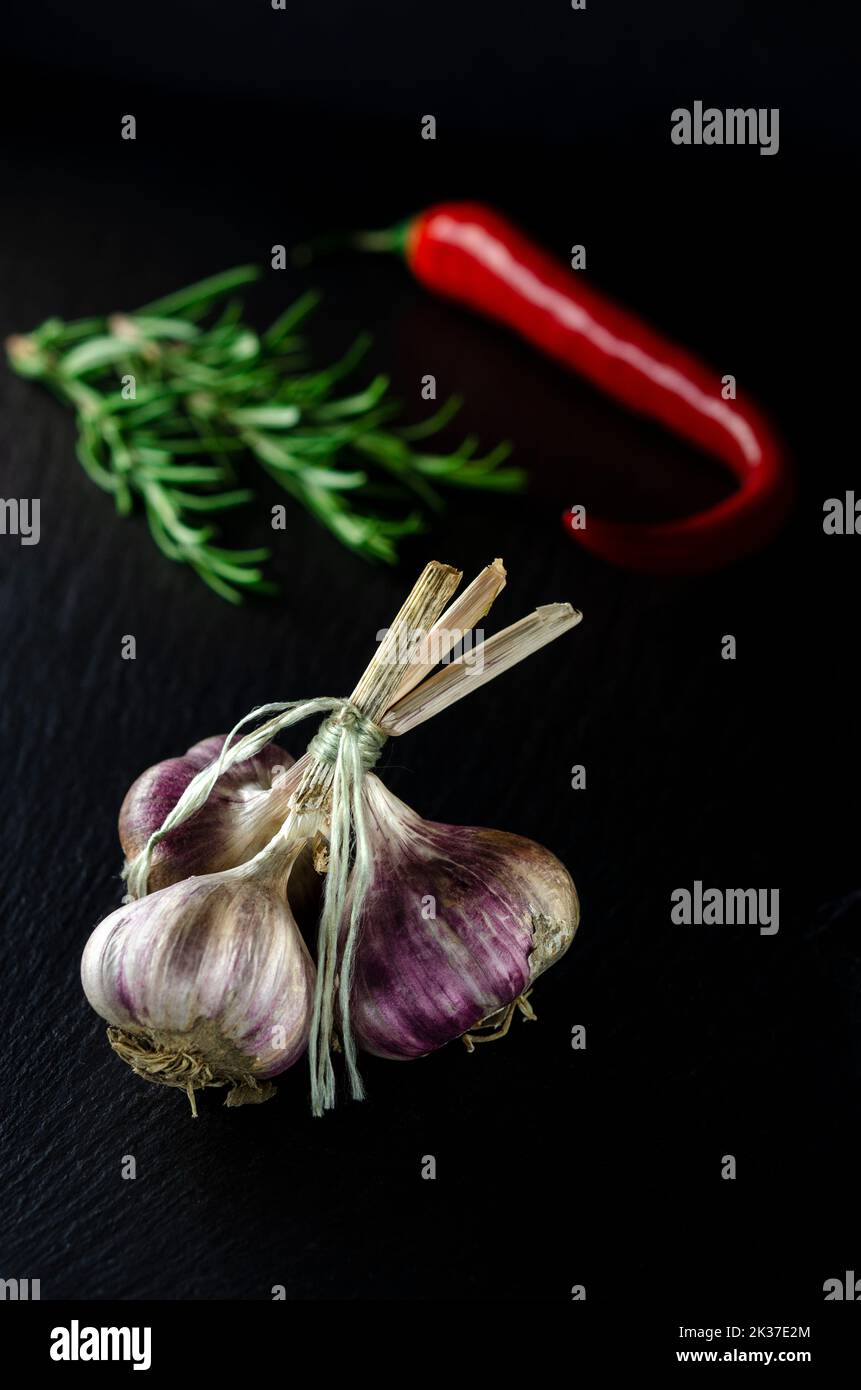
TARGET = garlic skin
(247,805)
(207,982)
(457,924)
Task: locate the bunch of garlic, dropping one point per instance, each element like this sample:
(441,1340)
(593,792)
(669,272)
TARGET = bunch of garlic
(430,932)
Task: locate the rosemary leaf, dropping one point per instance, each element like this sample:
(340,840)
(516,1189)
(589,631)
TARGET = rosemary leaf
(272,417)
(217,502)
(241,557)
(291,318)
(436,422)
(90,355)
(204,292)
(355,405)
(152,327)
(226,591)
(176,472)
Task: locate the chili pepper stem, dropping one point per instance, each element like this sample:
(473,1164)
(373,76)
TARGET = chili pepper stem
(387,239)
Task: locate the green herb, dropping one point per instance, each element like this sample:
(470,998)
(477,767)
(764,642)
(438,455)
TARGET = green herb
(170,397)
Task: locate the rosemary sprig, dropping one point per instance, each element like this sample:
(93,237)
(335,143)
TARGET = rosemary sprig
(167,398)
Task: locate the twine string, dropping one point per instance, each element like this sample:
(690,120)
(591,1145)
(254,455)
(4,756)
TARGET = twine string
(352,744)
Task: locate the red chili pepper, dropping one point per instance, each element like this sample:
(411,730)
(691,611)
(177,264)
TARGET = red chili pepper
(469,253)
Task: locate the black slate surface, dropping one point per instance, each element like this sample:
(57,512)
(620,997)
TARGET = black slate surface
(555,1167)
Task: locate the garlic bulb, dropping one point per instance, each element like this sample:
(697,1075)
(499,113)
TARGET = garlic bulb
(456,926)
(207,982)
(242,813)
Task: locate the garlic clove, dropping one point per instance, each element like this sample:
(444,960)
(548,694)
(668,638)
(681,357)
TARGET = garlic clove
(554,903)
(207,982)
(239,818)
(456,926)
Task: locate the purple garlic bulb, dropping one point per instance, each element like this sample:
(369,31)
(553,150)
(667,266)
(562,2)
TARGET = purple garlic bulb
(247,805)
(207,982)
(456,926)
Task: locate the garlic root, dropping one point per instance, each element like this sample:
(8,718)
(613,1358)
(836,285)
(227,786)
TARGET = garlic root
(186,1061)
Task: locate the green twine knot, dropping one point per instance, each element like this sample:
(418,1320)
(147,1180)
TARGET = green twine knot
(327,740)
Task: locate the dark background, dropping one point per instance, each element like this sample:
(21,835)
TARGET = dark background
(556,1167)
